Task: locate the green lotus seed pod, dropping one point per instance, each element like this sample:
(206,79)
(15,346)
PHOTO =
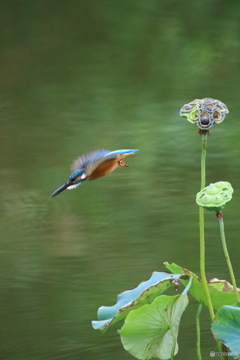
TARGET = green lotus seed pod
(204,112)
(215,196)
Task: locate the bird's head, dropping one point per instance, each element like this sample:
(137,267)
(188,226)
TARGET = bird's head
(75,179)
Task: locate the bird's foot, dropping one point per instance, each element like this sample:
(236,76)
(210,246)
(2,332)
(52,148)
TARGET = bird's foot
(121,163)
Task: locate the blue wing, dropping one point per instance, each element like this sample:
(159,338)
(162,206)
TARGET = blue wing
(123,151)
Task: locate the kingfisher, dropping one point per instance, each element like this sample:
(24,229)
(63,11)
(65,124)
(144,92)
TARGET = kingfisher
(94,165)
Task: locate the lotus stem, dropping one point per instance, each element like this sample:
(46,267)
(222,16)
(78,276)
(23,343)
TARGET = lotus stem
(201,228)
(227,257)
(198,345)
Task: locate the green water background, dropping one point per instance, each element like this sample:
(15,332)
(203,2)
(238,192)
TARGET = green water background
(76,76)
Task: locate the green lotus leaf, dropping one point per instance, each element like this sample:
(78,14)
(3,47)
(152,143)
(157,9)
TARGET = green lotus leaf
(152,330)
(221,292)
(226,327)
(128,300)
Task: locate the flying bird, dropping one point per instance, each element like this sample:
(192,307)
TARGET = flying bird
(94,165)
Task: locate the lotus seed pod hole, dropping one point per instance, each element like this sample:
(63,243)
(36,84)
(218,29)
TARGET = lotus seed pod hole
(204,120)
(212,190)
(216,199)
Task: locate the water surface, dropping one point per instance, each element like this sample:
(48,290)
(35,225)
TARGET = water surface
(78,76)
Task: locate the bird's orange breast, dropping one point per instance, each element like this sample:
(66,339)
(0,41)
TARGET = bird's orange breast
(103,169)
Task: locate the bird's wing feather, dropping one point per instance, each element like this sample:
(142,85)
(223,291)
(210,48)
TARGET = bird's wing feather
(93,165)
(124,152)
(83,160)
(116,155)
(91,161)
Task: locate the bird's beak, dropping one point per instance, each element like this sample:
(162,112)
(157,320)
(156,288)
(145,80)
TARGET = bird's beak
(59,190)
